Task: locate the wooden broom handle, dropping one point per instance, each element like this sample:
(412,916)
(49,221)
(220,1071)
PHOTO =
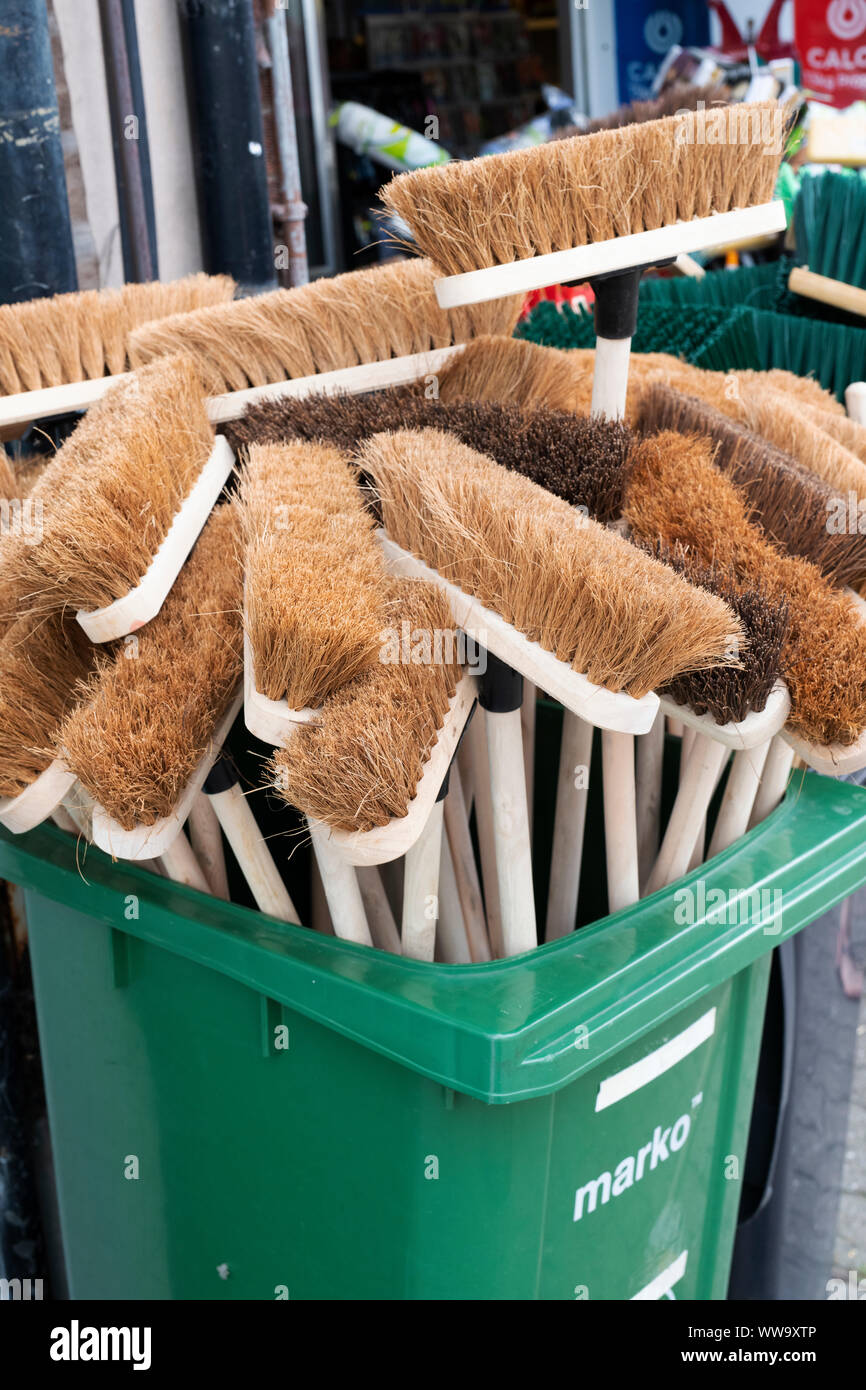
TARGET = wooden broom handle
(650,768)
(511,831)
(777,770)
(256,862)
(342,892)
(181,865)
(568,826)
(739,798)
(421,889)
(821,287)
(207,844)
(380,918)
(620,819)
(693,798)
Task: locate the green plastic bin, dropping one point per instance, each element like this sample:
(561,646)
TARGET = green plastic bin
(243,1110)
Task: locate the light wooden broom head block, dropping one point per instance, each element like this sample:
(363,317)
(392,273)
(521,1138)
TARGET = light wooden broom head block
(153,721)
(676,495)
(595,204)
(360,331)
(573,607)
(123,502)
(50,347)
(314,585)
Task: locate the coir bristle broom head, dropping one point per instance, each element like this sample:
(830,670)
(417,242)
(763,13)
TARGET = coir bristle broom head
(792,505)
(360,767)
(729,693)
(523,373)
(147,718)
(468,215)
(600,605)
(314,583)
(676,494)
(41,662)
(578,459)
(362,316)
(84,336)
(775,416)
(111,493)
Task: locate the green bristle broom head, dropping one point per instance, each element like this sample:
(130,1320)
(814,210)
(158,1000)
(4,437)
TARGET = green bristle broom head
(660,328)
(756,285)
(833,353)
(830,226)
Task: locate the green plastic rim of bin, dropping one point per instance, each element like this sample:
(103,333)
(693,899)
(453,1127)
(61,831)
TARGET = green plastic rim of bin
(506,1031)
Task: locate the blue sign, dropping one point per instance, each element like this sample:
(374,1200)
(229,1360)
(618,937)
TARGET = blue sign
(645,30)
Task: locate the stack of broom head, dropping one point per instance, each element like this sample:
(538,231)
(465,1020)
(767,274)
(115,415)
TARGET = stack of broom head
(363,316)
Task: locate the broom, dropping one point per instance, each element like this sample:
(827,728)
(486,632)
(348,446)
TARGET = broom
(149,729)
(314,585)
(597,626)
(369,775)
(62,353)
(601,208)
(736,707)
(41,662)
(123,502)
(791,504)
(356,332)
(675,494)
(829,226)
(677,98)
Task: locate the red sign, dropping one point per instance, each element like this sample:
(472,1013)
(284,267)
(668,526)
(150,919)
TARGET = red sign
(830,37)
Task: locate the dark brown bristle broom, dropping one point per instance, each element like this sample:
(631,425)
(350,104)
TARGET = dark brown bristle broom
(675,494)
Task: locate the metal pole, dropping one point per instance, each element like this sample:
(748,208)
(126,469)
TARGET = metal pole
(129,138)
(287,142)
(229,140)
(36,250)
